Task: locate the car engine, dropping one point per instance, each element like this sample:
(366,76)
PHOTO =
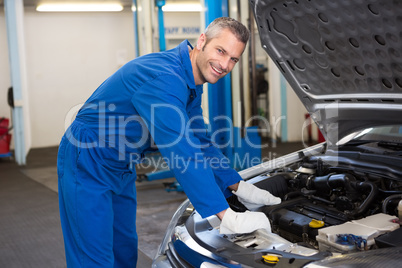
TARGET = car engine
(334,208)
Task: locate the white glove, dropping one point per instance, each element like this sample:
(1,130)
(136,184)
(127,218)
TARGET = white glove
(253,197)
(246,222)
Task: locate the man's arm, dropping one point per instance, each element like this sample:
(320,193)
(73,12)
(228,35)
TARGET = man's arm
(234,187)
(225,176)
(221,214)
(161,103)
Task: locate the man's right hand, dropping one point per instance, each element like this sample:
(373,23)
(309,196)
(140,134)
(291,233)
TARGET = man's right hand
(245,222)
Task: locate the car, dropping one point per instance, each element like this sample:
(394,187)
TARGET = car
(341,199)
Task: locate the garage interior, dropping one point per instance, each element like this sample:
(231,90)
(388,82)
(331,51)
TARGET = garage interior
(64,56)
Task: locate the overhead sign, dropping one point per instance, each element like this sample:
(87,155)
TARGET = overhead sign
(182,30)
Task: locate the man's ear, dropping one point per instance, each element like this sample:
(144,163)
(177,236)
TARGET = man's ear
(201,41)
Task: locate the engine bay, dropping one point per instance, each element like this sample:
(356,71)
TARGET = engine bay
(334,208)
(334,203)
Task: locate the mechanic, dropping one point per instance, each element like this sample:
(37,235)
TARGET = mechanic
(152,102)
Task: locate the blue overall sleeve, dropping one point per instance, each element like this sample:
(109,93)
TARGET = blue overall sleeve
(161,103)
(220,165)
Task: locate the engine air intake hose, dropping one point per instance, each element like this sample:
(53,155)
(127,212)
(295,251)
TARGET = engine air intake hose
(329,182)
(366,203)
(386,200)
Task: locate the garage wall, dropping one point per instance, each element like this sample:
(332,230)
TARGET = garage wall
(4,68)
(68,57)
(70,54)
(295,118)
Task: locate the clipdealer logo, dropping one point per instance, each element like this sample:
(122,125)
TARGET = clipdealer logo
(109,126)
(115,131)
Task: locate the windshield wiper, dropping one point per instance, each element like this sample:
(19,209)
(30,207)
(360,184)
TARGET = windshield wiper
(358,142)
(396,146)
(390,145)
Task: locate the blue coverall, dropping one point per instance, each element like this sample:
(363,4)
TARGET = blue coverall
(151,100)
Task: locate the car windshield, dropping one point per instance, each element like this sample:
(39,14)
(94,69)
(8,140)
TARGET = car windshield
(385,133)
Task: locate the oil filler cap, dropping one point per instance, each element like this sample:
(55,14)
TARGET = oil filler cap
(270,259)
(316,223)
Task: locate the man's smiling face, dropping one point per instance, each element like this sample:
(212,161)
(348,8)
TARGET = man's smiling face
(217,57)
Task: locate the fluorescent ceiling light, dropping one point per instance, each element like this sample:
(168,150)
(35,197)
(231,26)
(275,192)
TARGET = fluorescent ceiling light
(182,8)
(79,7)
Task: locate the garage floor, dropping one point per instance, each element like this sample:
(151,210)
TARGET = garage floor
(30,233)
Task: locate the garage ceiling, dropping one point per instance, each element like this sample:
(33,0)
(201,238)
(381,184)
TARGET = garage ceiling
(123,2)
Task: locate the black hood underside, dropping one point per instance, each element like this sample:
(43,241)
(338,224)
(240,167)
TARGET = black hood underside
(342,58)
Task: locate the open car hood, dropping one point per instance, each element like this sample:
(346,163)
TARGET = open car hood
(342,58)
